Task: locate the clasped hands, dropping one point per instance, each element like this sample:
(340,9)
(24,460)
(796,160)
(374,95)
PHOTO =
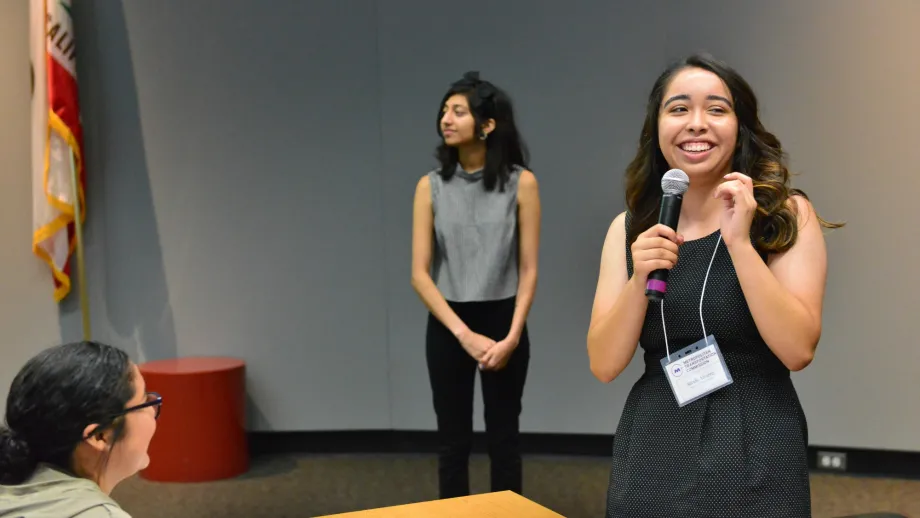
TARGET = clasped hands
(490,355)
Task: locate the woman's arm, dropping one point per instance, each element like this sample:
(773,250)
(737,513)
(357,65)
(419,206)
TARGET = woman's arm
(422,232)
(528,251)
(619,309)
(786,295)
(529,246)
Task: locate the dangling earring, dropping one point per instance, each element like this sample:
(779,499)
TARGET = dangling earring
(483,136)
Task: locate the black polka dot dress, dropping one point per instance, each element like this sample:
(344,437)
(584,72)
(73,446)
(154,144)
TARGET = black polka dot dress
(740,451)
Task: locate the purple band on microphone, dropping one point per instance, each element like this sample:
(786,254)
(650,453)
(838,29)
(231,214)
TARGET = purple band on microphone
(655,284)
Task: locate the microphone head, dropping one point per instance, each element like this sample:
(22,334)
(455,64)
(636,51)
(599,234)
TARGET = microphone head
(675,182)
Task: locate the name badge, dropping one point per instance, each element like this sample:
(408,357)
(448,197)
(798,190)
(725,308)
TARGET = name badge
(696,371)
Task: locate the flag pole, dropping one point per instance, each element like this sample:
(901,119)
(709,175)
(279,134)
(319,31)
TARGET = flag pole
(81,270)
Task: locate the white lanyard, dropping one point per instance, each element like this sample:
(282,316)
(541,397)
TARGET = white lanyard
(705,280)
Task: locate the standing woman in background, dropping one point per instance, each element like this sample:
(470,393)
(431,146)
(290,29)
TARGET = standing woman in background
(475,236)
(747,268)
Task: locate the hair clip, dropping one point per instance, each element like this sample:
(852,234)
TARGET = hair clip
(484,90)
(472,75)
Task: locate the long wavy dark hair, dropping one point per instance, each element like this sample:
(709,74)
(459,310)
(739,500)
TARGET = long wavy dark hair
(55,396)
(504,146)
(758,154)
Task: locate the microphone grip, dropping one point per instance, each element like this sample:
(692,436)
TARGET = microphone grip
(668,216)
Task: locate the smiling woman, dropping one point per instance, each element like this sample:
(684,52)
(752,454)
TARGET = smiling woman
(714,426)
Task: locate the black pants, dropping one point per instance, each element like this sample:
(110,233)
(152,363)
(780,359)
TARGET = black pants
(452,373)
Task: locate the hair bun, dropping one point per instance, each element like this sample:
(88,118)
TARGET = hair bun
(15,458)
(483,89)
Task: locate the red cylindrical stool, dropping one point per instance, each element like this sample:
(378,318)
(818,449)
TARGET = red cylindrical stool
(201,432)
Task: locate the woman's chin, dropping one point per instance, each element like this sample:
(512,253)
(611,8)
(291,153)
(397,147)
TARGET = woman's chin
(455,141)
(701,172)
(144,462)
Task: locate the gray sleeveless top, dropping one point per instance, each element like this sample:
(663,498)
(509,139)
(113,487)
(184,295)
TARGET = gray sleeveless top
(475,256)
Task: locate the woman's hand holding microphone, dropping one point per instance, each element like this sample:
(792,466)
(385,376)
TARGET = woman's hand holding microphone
(656,248)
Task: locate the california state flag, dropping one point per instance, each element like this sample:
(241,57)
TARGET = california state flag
(56,134)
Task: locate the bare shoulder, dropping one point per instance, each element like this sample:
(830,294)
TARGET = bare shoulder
(616,232)
(804,210)
(423,189)
(528,192)
(612,275)
(528,180)
(614,249)
(424,183)
(809,245)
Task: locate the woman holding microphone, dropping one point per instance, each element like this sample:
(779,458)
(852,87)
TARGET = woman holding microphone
(714,426)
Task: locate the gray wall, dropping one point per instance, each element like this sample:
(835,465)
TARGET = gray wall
(252,170)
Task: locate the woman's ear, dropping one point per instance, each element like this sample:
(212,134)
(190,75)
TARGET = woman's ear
(99,440)
(488,127)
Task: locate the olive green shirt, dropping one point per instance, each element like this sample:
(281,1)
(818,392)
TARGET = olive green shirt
(51,493)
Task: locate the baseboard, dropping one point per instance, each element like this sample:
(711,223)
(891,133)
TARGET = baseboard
(866,462)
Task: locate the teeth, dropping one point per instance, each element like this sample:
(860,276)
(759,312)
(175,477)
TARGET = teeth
(696,146)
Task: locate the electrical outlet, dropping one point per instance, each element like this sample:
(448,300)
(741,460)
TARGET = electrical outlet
(832,460)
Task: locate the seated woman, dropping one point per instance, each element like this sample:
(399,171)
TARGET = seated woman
(79,420)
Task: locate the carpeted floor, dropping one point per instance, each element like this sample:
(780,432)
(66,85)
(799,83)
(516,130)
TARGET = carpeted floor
(305,486)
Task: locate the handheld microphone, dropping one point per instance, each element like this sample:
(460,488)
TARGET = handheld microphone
(674,184)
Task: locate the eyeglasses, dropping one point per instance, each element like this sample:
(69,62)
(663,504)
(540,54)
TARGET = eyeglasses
(153,400)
